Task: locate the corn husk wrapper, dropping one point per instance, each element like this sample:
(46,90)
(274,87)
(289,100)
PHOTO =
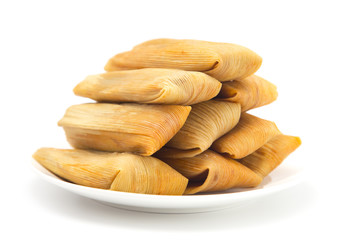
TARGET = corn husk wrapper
(150,85)
(223,61)
(249,134)
(206,122)
(251,92)
(271,154)
(209,171)
(136,128)
(123,172)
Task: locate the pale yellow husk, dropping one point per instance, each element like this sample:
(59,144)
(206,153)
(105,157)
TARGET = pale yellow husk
(270,155)
(250,92)
(123,172)
(137,128)
(209,171)
(207,121)
(249,134)
(223,61)
(150,85)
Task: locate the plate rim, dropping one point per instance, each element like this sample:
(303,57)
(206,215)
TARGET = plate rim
(152,201)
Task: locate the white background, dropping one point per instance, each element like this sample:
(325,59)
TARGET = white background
(47,47)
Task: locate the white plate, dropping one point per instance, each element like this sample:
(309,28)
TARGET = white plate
(283,177)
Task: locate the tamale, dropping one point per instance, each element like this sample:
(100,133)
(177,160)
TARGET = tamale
(123,172)
(251,92)
(137,128)
(223,61)
(209,171)
(249,134)
(206,122)
(271,154)
(150,85)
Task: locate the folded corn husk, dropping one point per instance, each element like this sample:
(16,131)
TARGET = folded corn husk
(223,61)
(150,85)
(210,171)
(137,128)
(271,154)
(114,171)
(250,92)
(207,121)
(249,134)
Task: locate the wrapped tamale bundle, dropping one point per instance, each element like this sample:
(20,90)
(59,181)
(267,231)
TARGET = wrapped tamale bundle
(209,171)
(150,85)
(206,122)
(271,154)
(251,92)
(137,128)
(249,134)
(223,61)
(123,172)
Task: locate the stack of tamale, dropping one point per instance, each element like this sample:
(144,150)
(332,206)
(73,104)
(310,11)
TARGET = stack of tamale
(171,119)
